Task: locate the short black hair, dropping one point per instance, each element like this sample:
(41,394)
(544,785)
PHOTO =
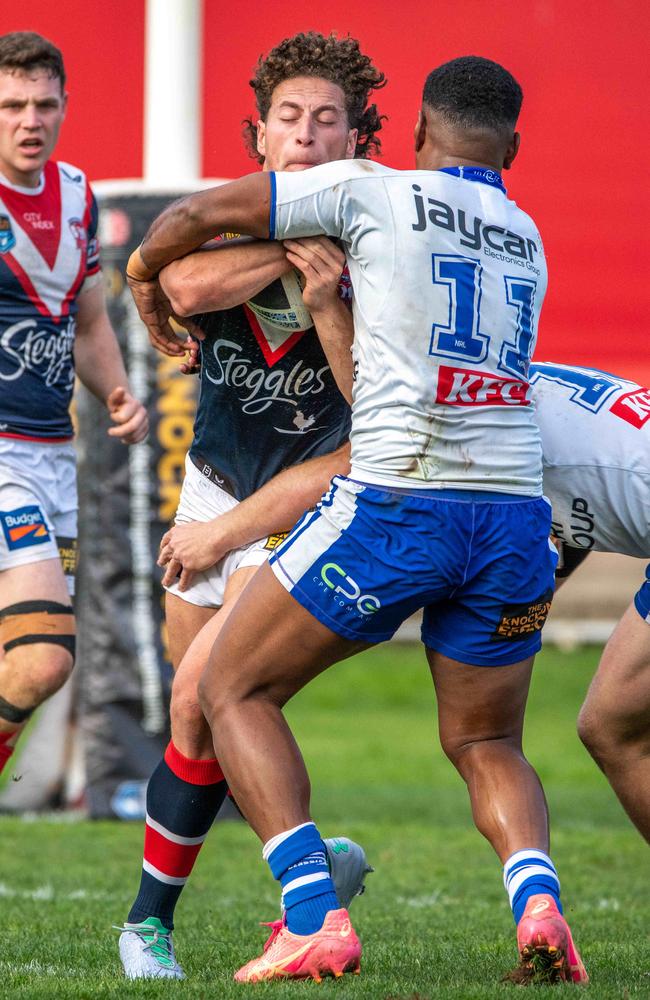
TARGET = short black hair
(24,51)
(473,92)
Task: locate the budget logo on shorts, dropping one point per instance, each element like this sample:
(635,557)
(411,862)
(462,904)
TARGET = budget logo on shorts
(23,527)
(7,238)
(348,590)
(522,621)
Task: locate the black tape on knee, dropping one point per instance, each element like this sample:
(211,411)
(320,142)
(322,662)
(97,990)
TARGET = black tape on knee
(30,622)
(11,713)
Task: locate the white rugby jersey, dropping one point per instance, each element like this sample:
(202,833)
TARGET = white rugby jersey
(449,278)
(596,450)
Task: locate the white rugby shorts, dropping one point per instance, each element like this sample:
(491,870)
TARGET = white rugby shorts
(203,500)
(38,504)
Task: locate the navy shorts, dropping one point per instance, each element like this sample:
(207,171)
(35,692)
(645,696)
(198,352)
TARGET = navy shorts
(480,564)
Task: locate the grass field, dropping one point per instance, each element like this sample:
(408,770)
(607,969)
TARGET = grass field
(434,922)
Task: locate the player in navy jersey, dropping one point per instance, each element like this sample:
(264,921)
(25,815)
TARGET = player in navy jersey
(53,321)
(271,428)
(595,431)
(443,508)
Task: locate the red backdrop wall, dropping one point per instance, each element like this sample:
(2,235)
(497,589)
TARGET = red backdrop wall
(585,149)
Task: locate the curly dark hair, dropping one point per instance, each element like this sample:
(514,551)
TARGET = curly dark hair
(474,92)
(338,60)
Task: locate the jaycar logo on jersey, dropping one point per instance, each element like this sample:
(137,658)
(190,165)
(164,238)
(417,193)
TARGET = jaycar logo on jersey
(634,407)
(7,238)
(24,526)
(465,387)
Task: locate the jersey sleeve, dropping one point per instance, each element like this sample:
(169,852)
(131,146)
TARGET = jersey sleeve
(321,200)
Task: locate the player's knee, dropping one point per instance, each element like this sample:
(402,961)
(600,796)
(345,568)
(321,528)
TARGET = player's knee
(185,711)
(38,638)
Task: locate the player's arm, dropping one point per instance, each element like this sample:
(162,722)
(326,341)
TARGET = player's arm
(100,367)
(243,206)
(321,262)
(569,560)
(223,276)
(276,506)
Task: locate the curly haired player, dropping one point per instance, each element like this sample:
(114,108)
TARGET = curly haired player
(268,402)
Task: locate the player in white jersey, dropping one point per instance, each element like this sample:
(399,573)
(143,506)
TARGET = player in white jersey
(52,303)
(443,508)
(595,431)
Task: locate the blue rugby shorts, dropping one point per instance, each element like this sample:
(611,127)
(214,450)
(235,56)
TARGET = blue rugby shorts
(642,597)
(480,564)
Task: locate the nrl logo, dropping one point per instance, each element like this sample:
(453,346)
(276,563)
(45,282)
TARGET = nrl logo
(7,238)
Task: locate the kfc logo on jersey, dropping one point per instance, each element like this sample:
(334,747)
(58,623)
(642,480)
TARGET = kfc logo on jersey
(634,407)
(78,231)
(464,387)
(7,238)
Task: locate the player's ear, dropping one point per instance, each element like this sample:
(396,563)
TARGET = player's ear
(420,131)
(511,151)
(261,138)
(351,146)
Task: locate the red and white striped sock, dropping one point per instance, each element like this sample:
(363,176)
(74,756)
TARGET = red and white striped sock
(183,798)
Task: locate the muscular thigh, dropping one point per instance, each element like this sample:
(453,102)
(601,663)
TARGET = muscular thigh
(479,703)
(270,643)
(38,581)
(184,622)
(621,686)
(200,642)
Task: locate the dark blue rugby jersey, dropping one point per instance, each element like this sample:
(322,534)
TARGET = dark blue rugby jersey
(265,404)
(48,247)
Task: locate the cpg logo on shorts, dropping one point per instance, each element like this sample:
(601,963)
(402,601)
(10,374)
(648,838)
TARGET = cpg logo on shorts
(346,591)
(24,526)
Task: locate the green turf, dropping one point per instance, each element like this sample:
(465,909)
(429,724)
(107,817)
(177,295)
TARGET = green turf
(434,922)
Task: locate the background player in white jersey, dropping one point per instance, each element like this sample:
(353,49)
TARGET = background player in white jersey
(52,303)
(443,509)
(268,402)
(595,431)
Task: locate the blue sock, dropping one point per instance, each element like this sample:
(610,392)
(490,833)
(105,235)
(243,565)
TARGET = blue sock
(529,873)
(298,860)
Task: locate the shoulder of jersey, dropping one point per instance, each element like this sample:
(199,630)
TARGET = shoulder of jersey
(71,174)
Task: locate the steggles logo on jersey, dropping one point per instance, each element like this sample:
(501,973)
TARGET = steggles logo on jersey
(521,621)
(334,577)
(7,238)
(465,387)
(24,526)
(45,352)
(261,387)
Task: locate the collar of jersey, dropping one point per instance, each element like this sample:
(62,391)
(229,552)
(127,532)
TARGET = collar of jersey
(482,175)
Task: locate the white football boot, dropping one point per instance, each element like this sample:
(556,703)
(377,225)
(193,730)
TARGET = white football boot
(147,951)
(348,868)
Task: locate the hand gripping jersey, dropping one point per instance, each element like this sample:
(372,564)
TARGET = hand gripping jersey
(268,400)
(596,450)
(448,278)
(48,248)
